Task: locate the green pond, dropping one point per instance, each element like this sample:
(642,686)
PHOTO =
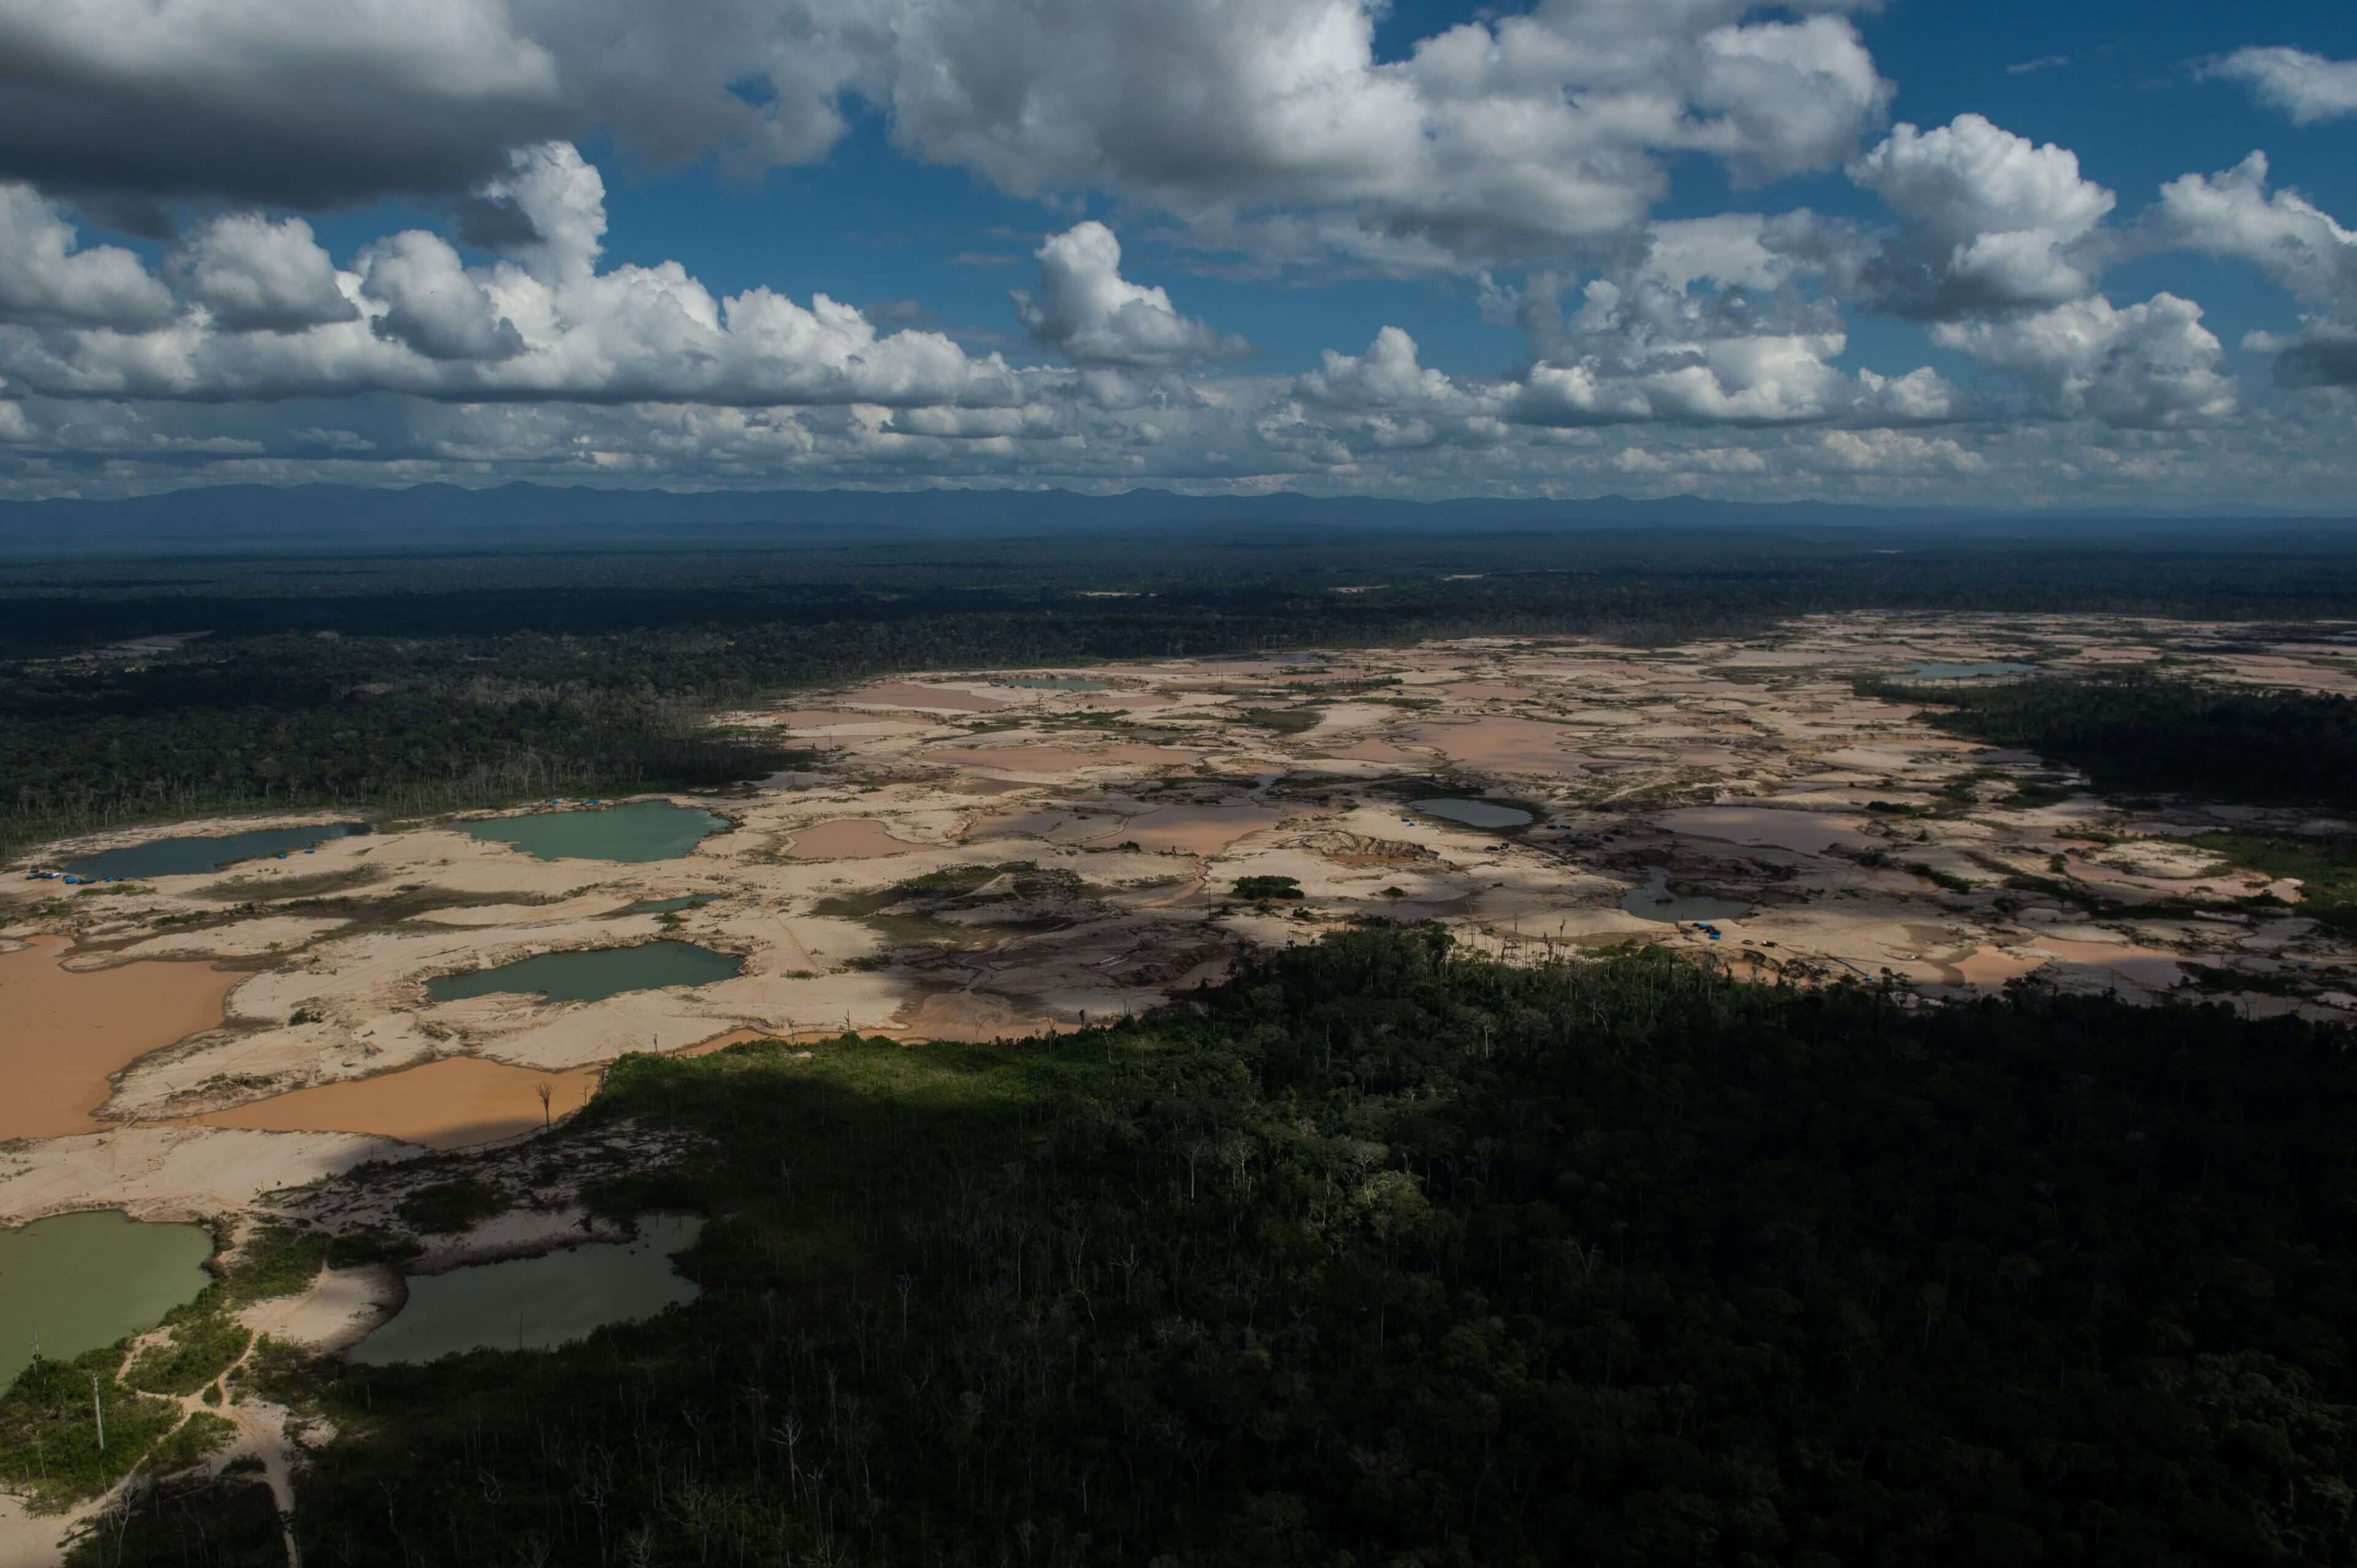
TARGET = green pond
(77,1282)
(537,1303)
(1476,813)
(642,830)
(190,855)
(592,974)
(1056,683)
(1936,671)
(1654,901)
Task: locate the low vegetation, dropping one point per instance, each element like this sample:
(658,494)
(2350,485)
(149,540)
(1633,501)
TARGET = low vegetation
(1261,890)
(909,913)
(1282,721)
(199,1347)
(2325,870)
(446,1208)
(50,1449)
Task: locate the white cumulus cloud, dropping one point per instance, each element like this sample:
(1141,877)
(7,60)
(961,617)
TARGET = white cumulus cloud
(1085,310)
(544,325)
(2149,364)
(47,276)
(1988,219)
(256,275)
(2288,238)
(2308,87)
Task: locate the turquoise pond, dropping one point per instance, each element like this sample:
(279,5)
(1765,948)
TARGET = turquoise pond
(592,974)
(641,831)
(77,1282)
(536,1303)
(194,854)
(1476,813)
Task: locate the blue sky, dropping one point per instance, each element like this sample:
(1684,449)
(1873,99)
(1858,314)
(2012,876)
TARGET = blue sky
(1587,246)
(871,225)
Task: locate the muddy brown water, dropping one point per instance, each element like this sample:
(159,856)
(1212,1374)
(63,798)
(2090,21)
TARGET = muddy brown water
(1803,833)
(866,722)
(909,695)
(1513,746)
(1189,829)
(452,1103)
(1053,759)
(861,838)
(1373,751)
(65,1031)
(1196,830)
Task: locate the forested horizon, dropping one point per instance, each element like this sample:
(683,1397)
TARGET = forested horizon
(397,686)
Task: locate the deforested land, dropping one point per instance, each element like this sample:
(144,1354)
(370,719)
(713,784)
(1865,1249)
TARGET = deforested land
(1255,1049)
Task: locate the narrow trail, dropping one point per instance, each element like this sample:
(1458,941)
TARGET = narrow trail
(261,1427)
(27,1541)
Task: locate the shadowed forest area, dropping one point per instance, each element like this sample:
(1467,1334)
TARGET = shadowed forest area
(376,685)
(2134,733)
(1380,1253)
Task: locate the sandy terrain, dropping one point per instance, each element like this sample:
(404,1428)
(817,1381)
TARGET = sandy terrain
(1054,761)
(173,1172)
(1077,860)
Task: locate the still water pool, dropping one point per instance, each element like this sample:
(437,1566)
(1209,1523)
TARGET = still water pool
(189,855)
(76,1281)
(1055,684)
(1476,813)
(1654,901)
(592,974)
(535,1303)
(642,830)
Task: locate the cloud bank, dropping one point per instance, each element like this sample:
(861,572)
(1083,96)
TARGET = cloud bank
(1955,325)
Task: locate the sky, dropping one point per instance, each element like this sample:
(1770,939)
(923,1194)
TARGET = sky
(2002,255)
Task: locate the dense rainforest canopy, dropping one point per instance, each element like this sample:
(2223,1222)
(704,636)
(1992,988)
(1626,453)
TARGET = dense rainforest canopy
(2134,733)
(1380,1253)
(405,684)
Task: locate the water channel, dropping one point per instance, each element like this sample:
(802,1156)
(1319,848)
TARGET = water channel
(536,1303)
(76,1281)
(641,831)
(592,974)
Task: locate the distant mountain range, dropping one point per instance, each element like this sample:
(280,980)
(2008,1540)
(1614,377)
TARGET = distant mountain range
(238,519)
